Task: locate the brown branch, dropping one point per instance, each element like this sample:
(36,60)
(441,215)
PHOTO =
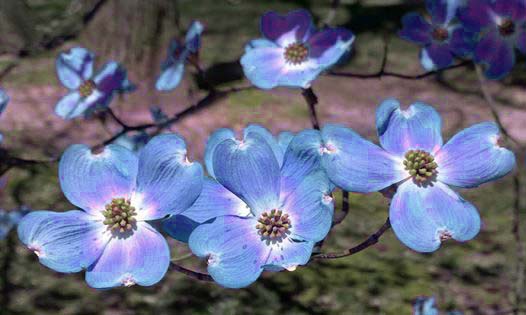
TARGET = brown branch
(312,101)
(370,241)
(191,273)
(344,211)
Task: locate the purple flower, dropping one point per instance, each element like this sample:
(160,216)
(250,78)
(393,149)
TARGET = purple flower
(292,53)
(425,211)
(440,37)
(172,69)
(87,91)
(501,27)
(121,195)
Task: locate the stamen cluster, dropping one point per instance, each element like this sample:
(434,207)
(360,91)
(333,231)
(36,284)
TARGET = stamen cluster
(120,215)
(506,27)
(440,34)
(296,53)
(274,225)
(86,88)
(421,165)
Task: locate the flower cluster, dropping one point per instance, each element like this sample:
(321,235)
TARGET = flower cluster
(424,305)
(487,31)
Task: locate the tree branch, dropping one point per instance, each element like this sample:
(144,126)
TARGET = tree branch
(312,101)
(191,273)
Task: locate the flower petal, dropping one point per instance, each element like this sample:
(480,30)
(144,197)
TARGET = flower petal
(233,248)
(440,55)
(193,36)
(90,181)
(267,135)
(415,29)
(420,215)
(179,227)
(303,157)
(288,254)
(356,164)
(140,258)
(496,54)
(167,183)
(276,27)
(73,105)
(75,67)
(65,242)
(473,157)
(284,139)
(215,201)
(310,208)
(514,9)
(112,78)
(417,127)
(250,170)
(4,99)
(521,41)
(329,45)
(216,138)
(442,11)
(170,77)
(263,66)
(260,43)
(476,15)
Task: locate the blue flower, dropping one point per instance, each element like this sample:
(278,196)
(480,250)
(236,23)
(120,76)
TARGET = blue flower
(259,215)
(441,38)
(424,212)
(9,219)
(501,27)
(87,91)
(120,194)
(292,53)
(4,99)
(425,306)
(172,69)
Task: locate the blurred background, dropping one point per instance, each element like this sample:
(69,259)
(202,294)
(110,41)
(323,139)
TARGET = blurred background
(479,277)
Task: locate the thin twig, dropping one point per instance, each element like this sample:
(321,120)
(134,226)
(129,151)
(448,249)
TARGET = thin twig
(344,211)
(370,241)
(312,101)
(191,273)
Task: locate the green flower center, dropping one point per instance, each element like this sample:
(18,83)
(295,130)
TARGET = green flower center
(86,88)
(273,225)
(119,215)
(421,165)
(296,53)
(506,27)
(440,34)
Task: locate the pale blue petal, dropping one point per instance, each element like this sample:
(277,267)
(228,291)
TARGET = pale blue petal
(216,138)
(75,67)
(4,99)
(419,215)
(193,36)
(233,249)
(284,139)
(167,183)
(179,227)
(141,258)
(356,164)
(214,201)
(250,170)
(90,181)
(310,208)
(267,135)
(263,66)
(417,127)
(65,242)
(170,77)
(474,157)
(288,254)
(260,43)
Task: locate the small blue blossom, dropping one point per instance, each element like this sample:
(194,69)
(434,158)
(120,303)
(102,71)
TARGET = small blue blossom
(292,52)
(4,99)
(424,212)
(441,37)
(172,69)
(425,306)
(10,219)
(501,27)
(264,208)
(87,91)
(120,194)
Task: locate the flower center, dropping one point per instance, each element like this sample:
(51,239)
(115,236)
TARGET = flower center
(86,88)
(440,34)
(119,215)
(296,53)
(273,225)
(421,165)
(506,27)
